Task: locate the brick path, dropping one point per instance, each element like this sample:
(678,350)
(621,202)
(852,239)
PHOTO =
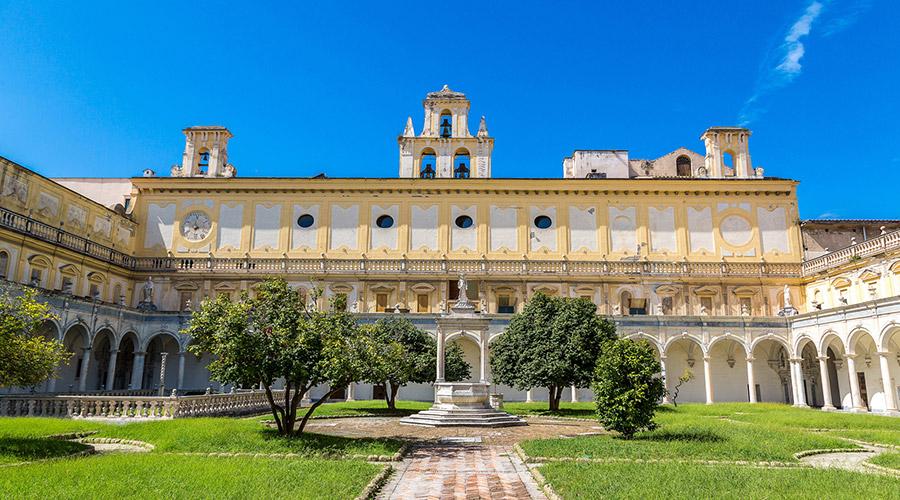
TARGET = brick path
(461,471)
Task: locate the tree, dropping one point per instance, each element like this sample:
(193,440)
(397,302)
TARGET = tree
(26,357)
(626,387)
(406,354)
(554,342)
(686,376)
(275,337)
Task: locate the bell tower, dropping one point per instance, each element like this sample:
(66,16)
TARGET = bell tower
(205,153)
(445,148)
(724,144)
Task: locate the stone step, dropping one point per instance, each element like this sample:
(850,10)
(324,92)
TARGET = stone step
(465,417)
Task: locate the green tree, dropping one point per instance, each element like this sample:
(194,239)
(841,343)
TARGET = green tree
(406,354)
(626,387)
(554,342)
(26,357)
(274,337)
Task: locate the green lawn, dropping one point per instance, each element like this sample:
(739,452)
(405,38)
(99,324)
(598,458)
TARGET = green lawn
(890,460)
(583,480)
(151,475)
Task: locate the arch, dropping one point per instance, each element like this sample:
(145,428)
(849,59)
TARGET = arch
(886,333)
(684,336)
(828,340)
(801,341)
(649,338)
(769,336)
(445,124)
(102,346)
(856,335)
(462,164)
(4,263)
(463,333)
(472,351)
(427,164)
(685,354)
(76,340)
(683,166)
(161,333)
(729,167)
(161,342)
(123,371)
(728,336)
(772,371)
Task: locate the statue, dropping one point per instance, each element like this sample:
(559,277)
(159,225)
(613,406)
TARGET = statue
(787,298)
(788,308)
(463,299)
(146,302)
(229,171)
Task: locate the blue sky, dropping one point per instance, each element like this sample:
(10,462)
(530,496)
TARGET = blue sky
(104,89)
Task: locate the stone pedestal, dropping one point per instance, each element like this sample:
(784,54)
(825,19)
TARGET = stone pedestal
(464,404)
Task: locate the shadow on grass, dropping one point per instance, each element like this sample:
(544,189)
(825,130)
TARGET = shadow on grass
(309,442)
(564,412)
(690,436)
(27,449)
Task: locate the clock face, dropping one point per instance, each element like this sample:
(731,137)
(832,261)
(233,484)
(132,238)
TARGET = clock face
(196,226)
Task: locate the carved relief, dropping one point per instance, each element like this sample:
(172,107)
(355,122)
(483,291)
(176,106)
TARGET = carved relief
(75,216)
(15,188)
(47,205)
(102,226)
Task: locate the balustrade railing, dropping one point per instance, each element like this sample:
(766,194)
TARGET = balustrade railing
(126,407)
(868,248)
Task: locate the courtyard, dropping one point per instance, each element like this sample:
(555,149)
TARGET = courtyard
(359,449)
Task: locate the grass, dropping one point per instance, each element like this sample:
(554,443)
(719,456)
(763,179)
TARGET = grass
(891,460)
(571,410)
(149,475)
(14,450)
(369,408)
(582,480)
(696,432)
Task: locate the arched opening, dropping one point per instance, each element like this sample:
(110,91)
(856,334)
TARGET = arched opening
(472,356)
(158,345)
(867,371)
(445,125)
(683,166)
(99,368)
(728,163)
(772,372)
(76,342)
(196,376)
(891,344)
(838,379)
(728,367)
(461,164)
(202,162)
(428,164)
(4,264)
(811,382)
(684,356)
(625,302)
(125,362)
(49,331)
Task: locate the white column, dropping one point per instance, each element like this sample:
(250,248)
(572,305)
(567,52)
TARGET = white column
(664,372)
(440,356)
(890,401)
(351,392)
(574,394)
(85,362)
(529,396)
(181,356)
(137,371)
(801,392)
(707,378)
(751,380)
(111,375)
(855,398)
(826,383)
(484,357)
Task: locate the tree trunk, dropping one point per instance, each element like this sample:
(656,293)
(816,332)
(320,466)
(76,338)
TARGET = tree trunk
(390,394)
(555,393)
(313,407)
(275,409)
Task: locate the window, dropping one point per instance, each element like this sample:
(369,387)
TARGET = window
(37,277)
(384,221)
(4,264)
(746,306)
(422,303)
(461,164)
(185,301)
(464,222)
(67,285)
(203,164)
(543,222)
(305,220)
(428,164)
(505,304)
(683,166)
(94,291)
(637,307)
(446,124)
(381,302)
(728,164)
(706,307)
(624,302)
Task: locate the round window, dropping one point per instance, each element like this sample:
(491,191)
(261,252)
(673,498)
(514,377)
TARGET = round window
(543,222)
(305,220)
(464,221)
(385,221)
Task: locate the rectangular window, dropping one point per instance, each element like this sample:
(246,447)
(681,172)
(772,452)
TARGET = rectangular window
(67,283)
(505,304)
(422,303)
(94,291)
(381,302)
(37,276)
(637,307)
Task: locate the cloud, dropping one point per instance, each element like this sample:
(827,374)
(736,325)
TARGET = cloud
(782,65)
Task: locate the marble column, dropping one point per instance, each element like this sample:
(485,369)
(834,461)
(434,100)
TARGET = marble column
(574,394)
(664,372)
(707,379)
(800,391)
(137,371)
(85,363)
(440,356)
(751,380)
(484,357)
(181,356)
(826,383)
(890,401)
(111,375)
(529,396)
(351,392)
(855,397)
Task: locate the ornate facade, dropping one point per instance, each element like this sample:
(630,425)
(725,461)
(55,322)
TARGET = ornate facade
(699,253)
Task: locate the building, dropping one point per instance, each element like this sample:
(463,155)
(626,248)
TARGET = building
(699,253)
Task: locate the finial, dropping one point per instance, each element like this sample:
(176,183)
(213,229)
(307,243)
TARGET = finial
(482,128)
(408,131)
(446,87)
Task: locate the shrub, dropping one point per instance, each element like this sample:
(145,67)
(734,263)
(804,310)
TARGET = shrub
(626,387)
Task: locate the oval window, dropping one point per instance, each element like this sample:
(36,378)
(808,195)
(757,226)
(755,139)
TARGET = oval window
(385,221)
(305,220)
(464,221)
(543,222)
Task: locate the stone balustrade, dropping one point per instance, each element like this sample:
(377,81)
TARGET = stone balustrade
(868,248)
(126,407)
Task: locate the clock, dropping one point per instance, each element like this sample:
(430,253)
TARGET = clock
(195,226)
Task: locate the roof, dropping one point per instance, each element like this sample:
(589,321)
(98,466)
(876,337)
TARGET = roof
(446,93)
